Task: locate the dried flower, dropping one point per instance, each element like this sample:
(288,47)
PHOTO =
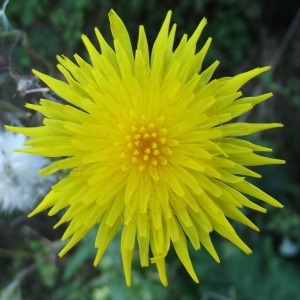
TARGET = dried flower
(20,185)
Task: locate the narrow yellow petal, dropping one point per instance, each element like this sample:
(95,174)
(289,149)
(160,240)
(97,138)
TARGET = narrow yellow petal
(207,243)
(120,33)
(61,88)
(127,247)
(143,45)
(104,236)
(252,190)
(180,247)
(240,128)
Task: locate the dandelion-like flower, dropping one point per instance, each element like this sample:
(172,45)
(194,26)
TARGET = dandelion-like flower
(150,149)
(20,185)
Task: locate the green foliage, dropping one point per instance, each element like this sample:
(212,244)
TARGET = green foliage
(230,24)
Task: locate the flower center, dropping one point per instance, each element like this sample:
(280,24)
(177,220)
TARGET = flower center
(146,144)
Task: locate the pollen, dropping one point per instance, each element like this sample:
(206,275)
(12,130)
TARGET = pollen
(146,143)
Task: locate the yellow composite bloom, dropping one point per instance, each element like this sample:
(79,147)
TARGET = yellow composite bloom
(150,148)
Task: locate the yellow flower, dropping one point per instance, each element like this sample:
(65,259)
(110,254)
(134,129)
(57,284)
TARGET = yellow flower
(150,149)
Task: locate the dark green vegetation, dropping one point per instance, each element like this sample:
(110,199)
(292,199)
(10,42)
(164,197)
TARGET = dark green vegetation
(246,34)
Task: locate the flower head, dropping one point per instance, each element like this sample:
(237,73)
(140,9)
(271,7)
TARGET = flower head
(150,149)
(20,185)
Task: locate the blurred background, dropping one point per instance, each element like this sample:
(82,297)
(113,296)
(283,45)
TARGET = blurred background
(246,34)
